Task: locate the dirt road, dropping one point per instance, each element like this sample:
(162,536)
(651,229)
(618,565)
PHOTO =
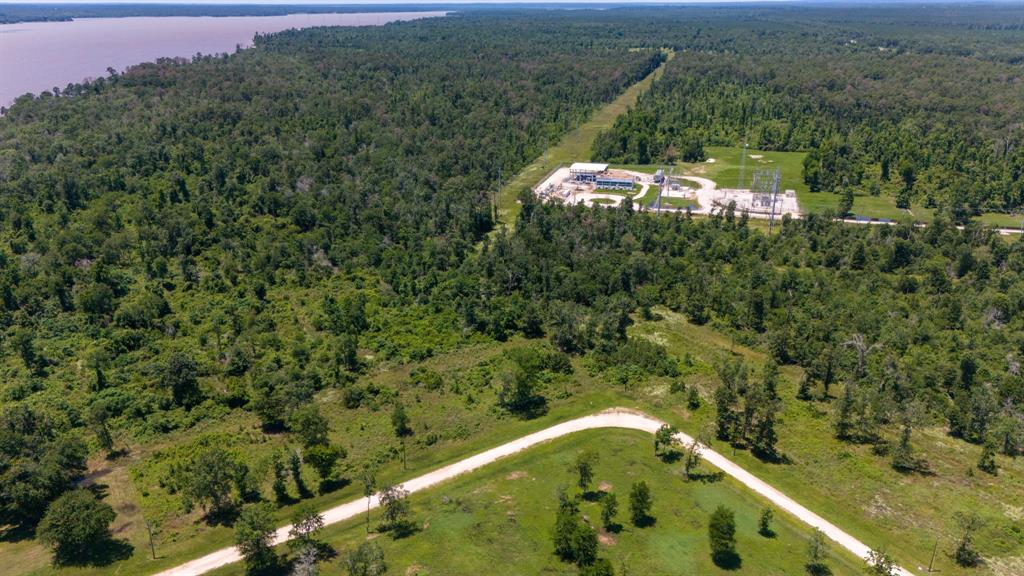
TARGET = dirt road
(612,418)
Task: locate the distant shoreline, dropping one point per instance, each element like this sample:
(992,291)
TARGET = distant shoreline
(54,57)
(23,13)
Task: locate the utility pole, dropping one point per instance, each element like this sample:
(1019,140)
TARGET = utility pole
(743,167)
(152,547)
(934,550)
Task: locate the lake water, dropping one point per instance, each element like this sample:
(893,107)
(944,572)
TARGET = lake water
(36,56)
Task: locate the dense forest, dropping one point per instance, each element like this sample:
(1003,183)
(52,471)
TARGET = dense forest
(193,239)
(893,110)
(145,216)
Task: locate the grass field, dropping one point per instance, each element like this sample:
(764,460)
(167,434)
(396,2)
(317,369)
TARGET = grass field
(573,147)
(1002,220)
(457,424)
(725,170)
(680,203)
(649,196)
(848,484)
(499,520)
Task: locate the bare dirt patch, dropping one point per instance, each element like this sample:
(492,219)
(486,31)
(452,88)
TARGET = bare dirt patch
(607,539)
(1014,512)
(604,487)
(1006,566)
(516,475)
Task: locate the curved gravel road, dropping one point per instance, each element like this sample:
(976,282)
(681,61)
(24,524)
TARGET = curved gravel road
(612,418)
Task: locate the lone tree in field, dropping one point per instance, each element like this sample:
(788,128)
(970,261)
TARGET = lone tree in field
(75,526)
(609,508)
(584,468)
(574,539)
(817,555)
(307,563)
(694,451)
(640,504)
(965,553)
(692,398)
(254,537)
(722,533)
(369,481)
(400,423)
(764,524)
(208,480)
(306,525)
(566,521)
(664,438)
(394,502)
(881,564)
(366,560)
(987,462)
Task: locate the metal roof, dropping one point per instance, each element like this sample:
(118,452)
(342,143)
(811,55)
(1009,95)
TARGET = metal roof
(587,167)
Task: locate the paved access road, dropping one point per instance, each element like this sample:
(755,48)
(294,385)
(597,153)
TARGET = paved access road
(612,418)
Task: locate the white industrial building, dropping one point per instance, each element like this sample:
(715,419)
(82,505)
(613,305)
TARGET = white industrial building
(586,171)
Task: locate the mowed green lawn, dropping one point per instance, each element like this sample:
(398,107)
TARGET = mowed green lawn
(725,170)
(499,520)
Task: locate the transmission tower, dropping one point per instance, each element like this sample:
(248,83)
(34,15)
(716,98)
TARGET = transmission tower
(743,168)
(765,190)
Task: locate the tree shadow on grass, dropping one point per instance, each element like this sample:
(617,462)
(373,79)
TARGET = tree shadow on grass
(818,569)
(613,528)
(100,554)
(645,522)
(670,456)
(16,533)
(117,454)
(771,458)
(223,516)
(399,530)
(535,408)
(707,477)
(328,486)
(727,560)
(100,491)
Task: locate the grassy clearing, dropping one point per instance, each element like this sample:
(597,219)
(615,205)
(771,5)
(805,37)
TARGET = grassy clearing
(846,484)
(1002,220)
(680,203)
(449,425)
(649,196)
(725,170)
(499,520)
(574,146)
(849,485)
